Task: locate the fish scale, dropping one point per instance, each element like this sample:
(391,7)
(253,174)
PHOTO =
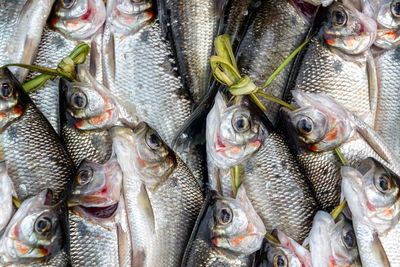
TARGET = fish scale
(261,51)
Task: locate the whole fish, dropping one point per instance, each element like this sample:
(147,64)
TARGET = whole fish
(22,24)
(227,233)
(386,50)
(372,193)
(333,243)
(237,136)
(191,27)
(33,153)
(69,23)
(93,229)
(34,233)
(337,61)
(87,112)
(162,197)
(7,192)
(276,22)
(319,125)
(285,253)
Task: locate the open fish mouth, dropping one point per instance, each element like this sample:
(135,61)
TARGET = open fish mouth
(101,212)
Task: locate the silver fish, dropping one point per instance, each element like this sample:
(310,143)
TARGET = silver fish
(261,50)
(22,24)
(70,22)
(34,233)
(371,192)
(333,243)
(158,189)
(93,229)
(237,136)
(192,26)
(228,233)
(7,192)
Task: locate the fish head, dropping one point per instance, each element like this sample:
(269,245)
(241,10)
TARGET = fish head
(78,19)
(372,193)
(333,243)
(235,225)
(233,132)
(388,20)
(319,123)
(127,16)
(286,253)
(97,188)
(11,99)
(34,232)
(88,105)
(348,30)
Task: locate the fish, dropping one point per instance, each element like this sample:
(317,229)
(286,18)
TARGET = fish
(33,153)
(22,25)
(333,243)
(261,51)
(227,233)
(338,62)
(321,124)
(286,252)
(87,111)
(93,227)
(237,135)
(70,22)
(324,3)
(156,185)
(151,89)
(191,27)
(7,192)
(34,233)
(386,48)
(371,191)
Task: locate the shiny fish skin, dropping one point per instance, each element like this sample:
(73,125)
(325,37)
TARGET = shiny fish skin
(34,155)
(225,244)
(22,23)
(276,31)
(152,175)
(7,192)
(193,25)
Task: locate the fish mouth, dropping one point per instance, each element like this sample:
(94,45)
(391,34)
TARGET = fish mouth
(95,122)
(305,9)
(387,38)
(352,44)
(101,212)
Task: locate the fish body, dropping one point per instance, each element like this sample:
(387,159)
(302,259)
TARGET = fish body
(192,27)
(371,191)
(262,50)
(58,40)
(333,243)
(227,233)
(152,174)
(237,136)
(7,192)
(22,25)
(33,153)
(34,233)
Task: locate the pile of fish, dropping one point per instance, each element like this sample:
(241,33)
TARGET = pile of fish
(143,158)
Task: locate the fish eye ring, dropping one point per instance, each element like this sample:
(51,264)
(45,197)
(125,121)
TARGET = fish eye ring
(224,216)
(42,225)
(78,100)
(68,3)
(395,8)
(5,90)
(339,17)
(84,176)
(280,261)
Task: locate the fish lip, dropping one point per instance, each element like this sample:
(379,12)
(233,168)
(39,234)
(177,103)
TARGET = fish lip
(98,212)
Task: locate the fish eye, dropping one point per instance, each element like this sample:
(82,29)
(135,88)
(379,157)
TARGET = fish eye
(84,176)
(382,183)
(280,261)
(6,90)
(42,225)
(153,140)
(67,3)
(241,123)
(224,216)
(78,100)
(305,125)
(395,8)
(349,239)
(339,17)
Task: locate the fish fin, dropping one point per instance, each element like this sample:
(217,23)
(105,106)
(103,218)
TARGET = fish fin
(372,84)
(380,251)
(221,4)
(145,204)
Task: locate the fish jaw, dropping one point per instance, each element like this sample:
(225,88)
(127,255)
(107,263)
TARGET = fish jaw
(388,34)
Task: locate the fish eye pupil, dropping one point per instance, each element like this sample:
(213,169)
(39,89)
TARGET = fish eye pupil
(395,6)
(67,3)
(43,225)
(224,216)
(153,140)
(305,126)
(6,90)
(84,176)
(349,239)
(339,18)
(280,261)
(383,183)
(78,100)
(241,123)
